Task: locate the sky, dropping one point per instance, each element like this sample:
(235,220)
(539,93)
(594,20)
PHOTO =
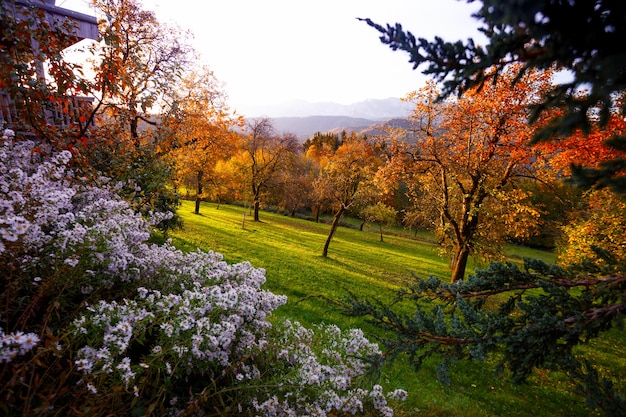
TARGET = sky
(275,51)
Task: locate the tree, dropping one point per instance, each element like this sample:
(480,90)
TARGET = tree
(379,213)
(342,177)
(587,155)
(539,34)
(535,316)
(140,63)
(293,188)
(461,160)
(200,129)
(134,72)
(524,317)
(595,239)
(263,154)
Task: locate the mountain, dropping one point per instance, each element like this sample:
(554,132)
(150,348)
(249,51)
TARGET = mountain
(305,127)
(374,109)
(304,118)
(380,128)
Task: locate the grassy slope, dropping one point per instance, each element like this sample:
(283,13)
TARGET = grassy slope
(290,252)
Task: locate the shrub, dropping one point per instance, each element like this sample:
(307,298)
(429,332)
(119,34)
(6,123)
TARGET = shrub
(98,321)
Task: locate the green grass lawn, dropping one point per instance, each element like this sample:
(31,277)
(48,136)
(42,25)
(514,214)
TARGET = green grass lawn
(289,249)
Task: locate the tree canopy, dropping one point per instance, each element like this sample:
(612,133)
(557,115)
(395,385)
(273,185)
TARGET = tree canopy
(462,159)
(530,317)
(540,34)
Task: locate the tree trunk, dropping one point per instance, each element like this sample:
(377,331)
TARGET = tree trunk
(257,205)
(199,192)
(317,214)
(333,228)
(134,127)
(380,227)
(361,226)
(459,264)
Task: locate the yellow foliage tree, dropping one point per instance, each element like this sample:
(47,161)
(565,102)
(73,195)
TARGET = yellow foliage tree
(597,237)
(201,132)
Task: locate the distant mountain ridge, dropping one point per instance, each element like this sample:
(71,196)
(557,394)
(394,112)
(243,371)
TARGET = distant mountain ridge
(374,109)
(304,119)
(305,127)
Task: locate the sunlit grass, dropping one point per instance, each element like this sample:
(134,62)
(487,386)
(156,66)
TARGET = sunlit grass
(289,249)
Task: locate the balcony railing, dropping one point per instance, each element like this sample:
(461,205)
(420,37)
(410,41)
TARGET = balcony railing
(70,112)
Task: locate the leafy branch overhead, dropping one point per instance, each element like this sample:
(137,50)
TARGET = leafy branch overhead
(540,34)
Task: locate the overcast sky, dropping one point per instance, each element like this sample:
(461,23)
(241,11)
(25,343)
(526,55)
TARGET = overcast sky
(273,51)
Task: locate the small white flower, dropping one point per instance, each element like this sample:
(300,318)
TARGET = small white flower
(71,261)
(29,341)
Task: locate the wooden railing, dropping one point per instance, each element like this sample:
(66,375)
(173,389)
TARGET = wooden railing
(8,114)
(62,115)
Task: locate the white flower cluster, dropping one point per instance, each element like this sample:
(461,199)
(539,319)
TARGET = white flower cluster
(8,135)
(190,320)
(46,210)
(319,371)
(14,344)
(205,327)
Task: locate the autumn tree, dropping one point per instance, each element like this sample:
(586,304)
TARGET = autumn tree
(379,213)
(125,86)
(200,131)
(461,160)
(139,63)
(293,186)
(262,155)
(535,316)
(342,178)
(595,239)
(539,34)
(587,155)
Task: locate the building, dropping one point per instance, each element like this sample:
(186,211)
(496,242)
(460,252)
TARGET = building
(83,27)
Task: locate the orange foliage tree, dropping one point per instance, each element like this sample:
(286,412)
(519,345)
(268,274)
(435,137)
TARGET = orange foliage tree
(343,177)
(460,160)
(200,132)
(293,186)
(589,149)
(262,155)
(139,63)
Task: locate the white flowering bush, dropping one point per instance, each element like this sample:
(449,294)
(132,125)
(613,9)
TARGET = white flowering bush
(16,344)
(319,372)
(96,320)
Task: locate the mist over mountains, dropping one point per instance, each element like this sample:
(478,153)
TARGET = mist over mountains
(304,118)
(375,109)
